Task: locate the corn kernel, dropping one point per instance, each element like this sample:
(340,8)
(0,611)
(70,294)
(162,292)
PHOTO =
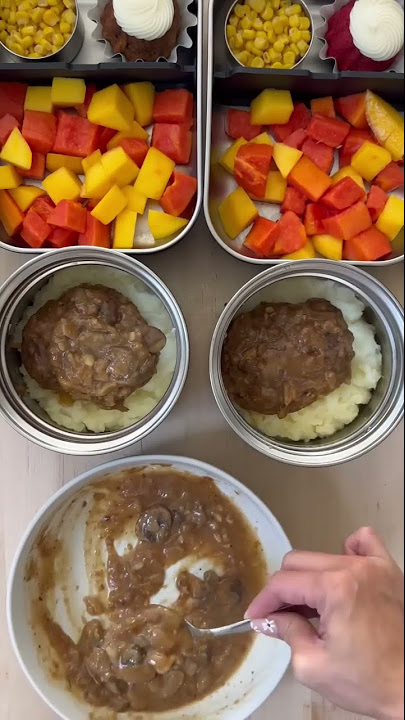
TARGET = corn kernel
(281,12)
(261,34)
(22,18)
(258,5)
(276,4)
(245,23)
(293,10)
(6,4)
(28,31)
(278,46)
(34,55)
(17,48)
(268,14)
(275,56)
(285,3)
(257,62)
(26,6)
(277,66)
(249,46)
(43,3)
(38,36)
(67,36)
(293,47)
(69,17)
(284,39)
(305,23)
(6,15)
(271,36)
(306,35)
(256,52)
(48,32)
(239,11)
(278,25)
(64,27)
(261,43)
(303,47)
(252,15)
(37,15)
(243,57)
(230,31)
(3,36)
(257,24)
(248,34)
(295,35)
(294,21)
(233,20)
(232,43)
(238,41)
(51,18)
(27,42)
(12,19)
(2,25)
(289,58)
(70,4)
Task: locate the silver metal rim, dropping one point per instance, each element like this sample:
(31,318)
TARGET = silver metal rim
(386,417)
(78,28)
(32,427)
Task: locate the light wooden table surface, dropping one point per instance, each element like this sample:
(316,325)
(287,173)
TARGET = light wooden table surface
(318,508)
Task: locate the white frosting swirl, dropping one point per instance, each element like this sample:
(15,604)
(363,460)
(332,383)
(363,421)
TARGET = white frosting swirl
(377,28)
(144,19)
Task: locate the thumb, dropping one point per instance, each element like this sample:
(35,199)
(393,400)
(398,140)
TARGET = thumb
(293,629)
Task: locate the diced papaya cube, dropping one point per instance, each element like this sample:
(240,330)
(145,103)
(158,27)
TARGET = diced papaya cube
(119,168)
(322,155)
(111,108)
(9,177)
(391,220)
(330,131)
(299,120)
(272,107)
(39,99)
(296,139)
(68,215)
(96,184)
(174,106)
(285,158)
(37,169)
(376,202)
(178,194)
(163,226)
(238,125)
(349,223)
(136,149)
(154,174)
(17,151)
(261,239)
(310,179)
(276,187)
(237,212)
(323,106)
(344,194)
(294,201)
(290,235)
(387,124)
(328,246)
(7,124)
(370,159)
(44,207)
(124,230)
(252,166)
(368,245)
(353,109)
(173,140)
(110,206)
(91,160)
(39,130)
(12,97)
(354,141)
(55,161)
(68,92)
(62,185)
(306,253)
(75,136)
(25,196)
(82,109)
(228,158)
(95,234)
(314,217)
(348,171)
(11,216)
(391,178)
(142,97)
(34,230)
(61,238)
(136,201)
(136,132)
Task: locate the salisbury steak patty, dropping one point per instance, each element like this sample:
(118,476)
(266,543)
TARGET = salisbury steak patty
(280,358)
(92,344)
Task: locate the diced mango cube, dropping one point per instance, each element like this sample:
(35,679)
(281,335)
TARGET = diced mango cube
(276,187)
(136,200)
(16,151)
(370,159)
(62,185)
(25,195)
(228,158)
(154,174)
(328,246)
(237,212)
(96,184)
(142,97)
(163,225)
(306,253)
(112,204)
(91,160)
(391,220)
(386,123)
(136,131)
(9,177)
(272,107)
(111,108)
(39,99)
(124,231)
(263,139)
(68,92)
(350,172)
(55,161)
(286,158)
(119,168)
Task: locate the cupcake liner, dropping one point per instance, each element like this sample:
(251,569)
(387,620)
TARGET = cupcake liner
(326,12)
(188,20)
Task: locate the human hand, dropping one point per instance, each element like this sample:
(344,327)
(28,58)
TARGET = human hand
(356,656)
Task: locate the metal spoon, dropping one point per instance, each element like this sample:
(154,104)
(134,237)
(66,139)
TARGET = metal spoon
(235,629)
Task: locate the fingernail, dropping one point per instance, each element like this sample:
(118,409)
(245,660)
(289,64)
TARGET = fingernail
(265,627)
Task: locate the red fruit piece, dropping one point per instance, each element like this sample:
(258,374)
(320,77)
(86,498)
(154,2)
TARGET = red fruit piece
(37,169)
(314,217)
(69,215)
(376,202)
(35,230)
(310,179)
(330,131)
(178,194)
(43,206)
(252,166)
(136,149)
(344,194)
(174,106)
(261,238)
(75,136)
(290,235)
(353,142)
(320,154)
(298,121)
(296,139)
(323,106)
(95,234)
(353,109)
(391,178)
(7,125)
(175,141)
(12,99)
(104,137)
(368,245)
(83,109)
(39,130)
(60,238)
(294,201)
(349,223)
(238,125)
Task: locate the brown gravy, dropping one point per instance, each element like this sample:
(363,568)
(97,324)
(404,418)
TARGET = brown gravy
(131,654)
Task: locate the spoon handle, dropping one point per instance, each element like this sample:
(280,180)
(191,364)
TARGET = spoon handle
(240,627)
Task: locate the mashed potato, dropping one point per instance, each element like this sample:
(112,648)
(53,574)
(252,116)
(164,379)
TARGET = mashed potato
(330,413)
(86,416)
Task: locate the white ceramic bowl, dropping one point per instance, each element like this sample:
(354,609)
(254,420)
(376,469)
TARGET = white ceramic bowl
(263,667)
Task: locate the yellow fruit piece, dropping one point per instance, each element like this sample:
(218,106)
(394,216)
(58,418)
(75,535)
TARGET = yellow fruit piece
(142,97)
(112,204)
(154,174)
(350,172)
(328,246)
(135,131)
(96,184)
(38,99)
(370,159)
(306,253)
(286,158)
(136,200)
(124,230)
(391,220)
(228,158)
(111,108)
(25,195)
(263,139)
(276,187)
(68,92)
(62,185)
(16,151)
(91,160)
(237,212)
(387,124)
(119,168)
(163,225)
(54,162)
(272,107)
(9,177)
